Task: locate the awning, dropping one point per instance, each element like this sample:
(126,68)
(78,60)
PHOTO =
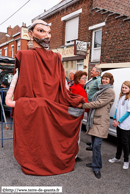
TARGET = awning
(74,58)
(113,65)
(4,59)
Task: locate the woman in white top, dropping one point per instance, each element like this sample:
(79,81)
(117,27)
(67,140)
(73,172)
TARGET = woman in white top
(122,122)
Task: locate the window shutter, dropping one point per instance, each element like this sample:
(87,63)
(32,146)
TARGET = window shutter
(71,31)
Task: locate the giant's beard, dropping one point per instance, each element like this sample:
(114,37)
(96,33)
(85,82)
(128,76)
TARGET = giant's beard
(42,42)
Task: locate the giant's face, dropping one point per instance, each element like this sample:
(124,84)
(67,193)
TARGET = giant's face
(41,34)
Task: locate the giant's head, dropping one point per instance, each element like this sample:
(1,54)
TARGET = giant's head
(40,32)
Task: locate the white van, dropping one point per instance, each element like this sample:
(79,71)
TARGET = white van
(120,75)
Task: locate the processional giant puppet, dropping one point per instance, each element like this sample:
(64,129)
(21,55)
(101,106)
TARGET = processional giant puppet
(46,124)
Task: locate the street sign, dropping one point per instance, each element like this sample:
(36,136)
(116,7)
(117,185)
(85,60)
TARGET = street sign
(80,48)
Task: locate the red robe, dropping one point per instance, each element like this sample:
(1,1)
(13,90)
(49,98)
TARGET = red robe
(45,134)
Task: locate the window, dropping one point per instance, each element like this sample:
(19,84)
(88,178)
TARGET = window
(96,45)
(71,30)
(72,25)
(0,52)
(80,64)
(66,73)
(12,50)
(71,64)
(97,38)
(96,41)
(5,51)
(18,45)
(66,64)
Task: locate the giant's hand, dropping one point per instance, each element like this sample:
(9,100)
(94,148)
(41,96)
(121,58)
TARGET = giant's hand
(80,105)
(9,96)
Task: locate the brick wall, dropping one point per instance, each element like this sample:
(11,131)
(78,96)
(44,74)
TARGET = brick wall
(10,49)
(2,34)
(15,47)
(4,39)
(58,26)
(116,41)
(24,45)
(115,46)
(119,6)
(115,35)
(14,30)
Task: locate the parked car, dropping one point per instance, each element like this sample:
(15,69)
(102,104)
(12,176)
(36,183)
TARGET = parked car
(120,75)
(6,74)
(6,70)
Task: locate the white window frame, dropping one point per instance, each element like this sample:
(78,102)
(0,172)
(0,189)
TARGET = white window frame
(69,17)
(95,49)
(96,27)
(18,44)
(6,51)
(0,52)
(100,29)
(71,41)
(80,65)
(12,46)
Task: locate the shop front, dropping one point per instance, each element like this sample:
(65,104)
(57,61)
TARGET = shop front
(71,61)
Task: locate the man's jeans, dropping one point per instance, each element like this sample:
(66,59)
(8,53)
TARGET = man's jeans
(97,158)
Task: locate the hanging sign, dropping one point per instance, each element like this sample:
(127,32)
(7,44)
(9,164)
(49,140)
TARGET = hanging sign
(80,48)
(24,33)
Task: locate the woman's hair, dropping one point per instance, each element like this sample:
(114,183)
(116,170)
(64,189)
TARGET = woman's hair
(78,75)
(110,76)
(127,83)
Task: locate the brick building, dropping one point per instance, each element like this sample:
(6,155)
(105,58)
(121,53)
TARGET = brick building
(104,25)
(15,39)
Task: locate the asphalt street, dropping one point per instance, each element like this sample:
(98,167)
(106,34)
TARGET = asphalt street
(114,179)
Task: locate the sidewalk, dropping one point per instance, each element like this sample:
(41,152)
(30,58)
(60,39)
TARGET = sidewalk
(114,179)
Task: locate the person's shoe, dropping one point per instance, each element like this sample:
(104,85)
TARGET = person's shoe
(97,174)
(89,148)
(113,160)
(77,159)
(89,143)
(126,165)
(89,165)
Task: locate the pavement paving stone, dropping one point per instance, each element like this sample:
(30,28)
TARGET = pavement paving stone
(114,179)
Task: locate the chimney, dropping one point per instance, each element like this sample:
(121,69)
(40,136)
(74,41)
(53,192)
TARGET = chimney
(23,24)
(9,30)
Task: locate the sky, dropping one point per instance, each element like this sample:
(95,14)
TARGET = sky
(29,11)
